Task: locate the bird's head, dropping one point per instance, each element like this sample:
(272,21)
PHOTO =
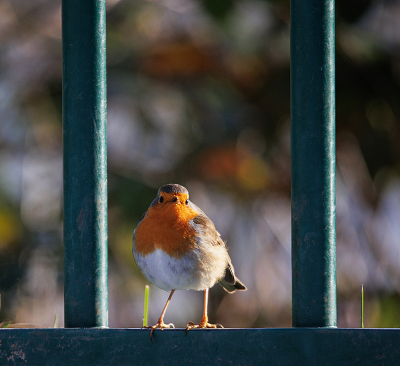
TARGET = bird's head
(172,200)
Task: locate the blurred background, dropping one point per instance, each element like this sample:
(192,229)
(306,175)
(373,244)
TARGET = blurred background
(198,94)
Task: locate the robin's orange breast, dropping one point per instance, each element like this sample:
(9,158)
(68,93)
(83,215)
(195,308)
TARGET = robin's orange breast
(166,228)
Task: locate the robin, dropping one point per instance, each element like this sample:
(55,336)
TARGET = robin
(177,247)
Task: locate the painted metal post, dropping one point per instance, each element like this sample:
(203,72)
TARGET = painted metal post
(313,163)
(85,163)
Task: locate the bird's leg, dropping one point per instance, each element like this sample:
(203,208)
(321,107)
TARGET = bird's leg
(160,324)
(204,320)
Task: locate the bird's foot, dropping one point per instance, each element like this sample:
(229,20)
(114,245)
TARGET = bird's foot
(160,324)
(203,324)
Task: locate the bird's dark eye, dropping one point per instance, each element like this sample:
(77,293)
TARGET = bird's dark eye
(186,202)
(161,199)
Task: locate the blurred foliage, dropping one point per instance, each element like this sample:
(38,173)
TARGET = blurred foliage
(198,94)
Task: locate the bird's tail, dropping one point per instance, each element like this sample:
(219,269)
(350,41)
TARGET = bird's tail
(232,287)
(230,282)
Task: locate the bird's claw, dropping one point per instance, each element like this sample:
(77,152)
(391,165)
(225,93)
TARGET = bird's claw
(203,324)
(160,325)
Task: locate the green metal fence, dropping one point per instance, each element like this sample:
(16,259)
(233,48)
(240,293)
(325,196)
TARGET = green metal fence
(314,338)
(312,68)
(85,163)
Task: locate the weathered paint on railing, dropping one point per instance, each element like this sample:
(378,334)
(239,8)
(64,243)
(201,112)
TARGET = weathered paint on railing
(85,163)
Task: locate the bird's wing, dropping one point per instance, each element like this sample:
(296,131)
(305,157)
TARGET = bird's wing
(206,228)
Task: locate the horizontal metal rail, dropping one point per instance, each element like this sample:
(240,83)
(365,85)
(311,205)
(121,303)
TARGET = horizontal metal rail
(123,347)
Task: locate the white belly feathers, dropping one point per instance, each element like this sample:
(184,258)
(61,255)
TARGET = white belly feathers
(193,271)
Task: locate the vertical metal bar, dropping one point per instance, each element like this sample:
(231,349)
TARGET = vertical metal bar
(85,163)
(313,163)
